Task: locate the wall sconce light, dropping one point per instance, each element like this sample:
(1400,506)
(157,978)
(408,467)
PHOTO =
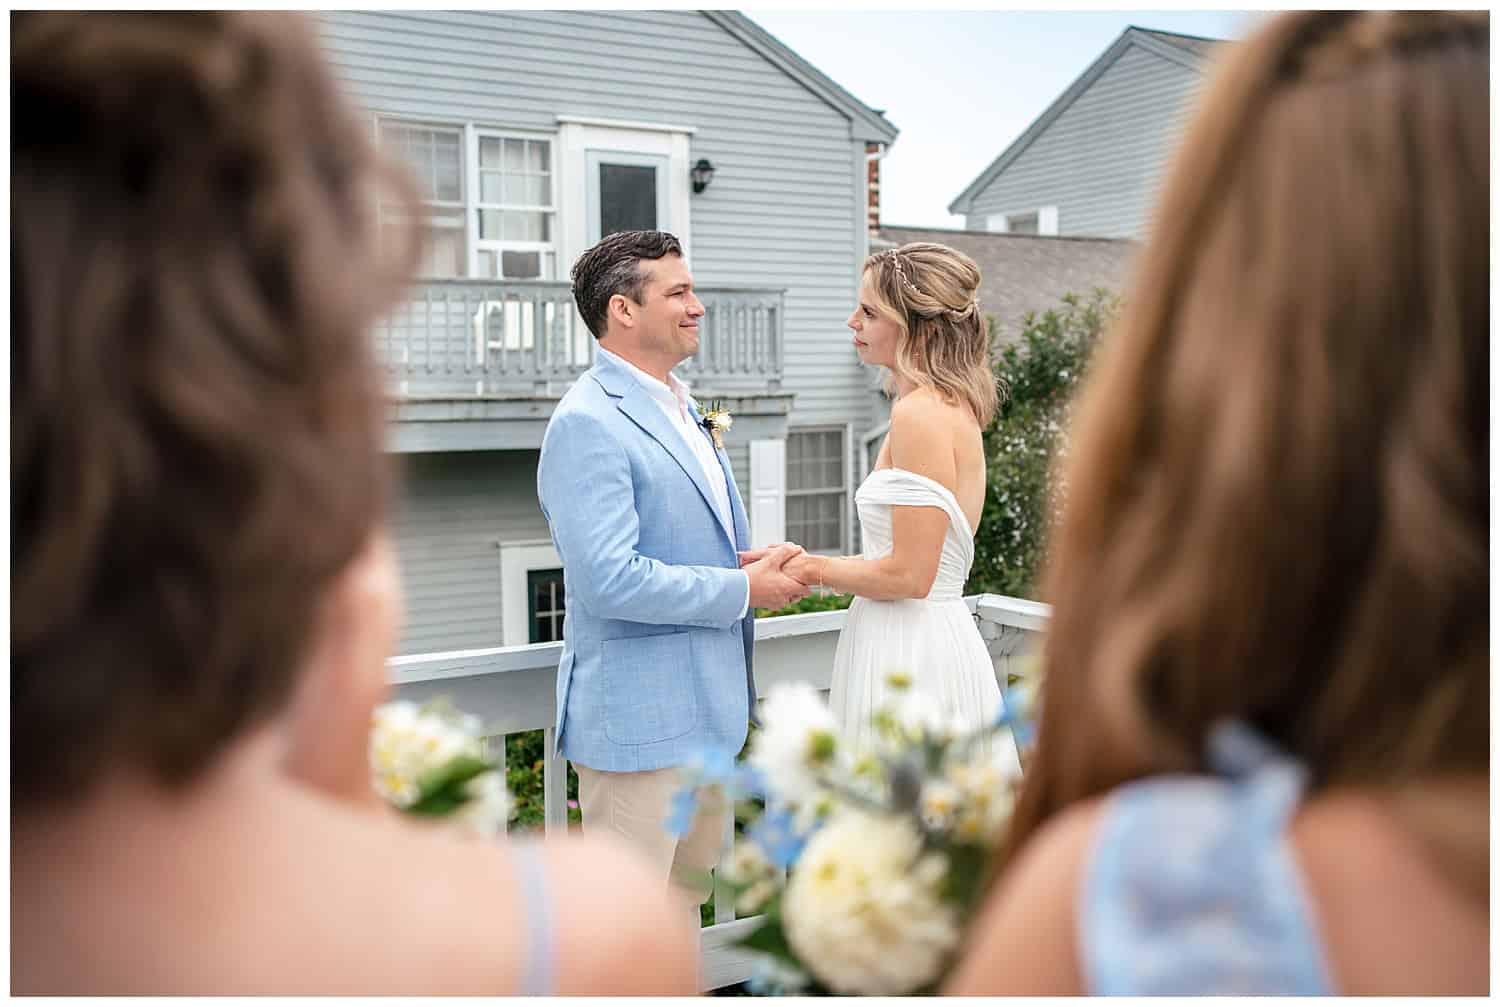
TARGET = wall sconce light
(703,173)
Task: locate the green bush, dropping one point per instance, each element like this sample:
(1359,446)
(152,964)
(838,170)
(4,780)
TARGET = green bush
(1041,370)
(818,601)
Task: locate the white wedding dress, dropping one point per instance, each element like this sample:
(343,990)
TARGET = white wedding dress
(934,640)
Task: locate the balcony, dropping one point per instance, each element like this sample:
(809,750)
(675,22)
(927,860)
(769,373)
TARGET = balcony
(514,689)
(480,364)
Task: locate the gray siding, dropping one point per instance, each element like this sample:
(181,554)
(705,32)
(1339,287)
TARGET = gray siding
(1102,161)
(453,511)
(785,208)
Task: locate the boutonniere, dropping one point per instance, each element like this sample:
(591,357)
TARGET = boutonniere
(716,421)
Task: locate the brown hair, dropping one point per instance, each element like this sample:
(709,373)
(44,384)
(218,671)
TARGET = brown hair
(197,414)
(932,292)
(1277,489)
(613,266)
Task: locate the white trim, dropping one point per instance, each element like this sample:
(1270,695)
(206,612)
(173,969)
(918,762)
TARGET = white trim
(653,127)
(576,140)
(517,559)
(767,492)
(1046,220)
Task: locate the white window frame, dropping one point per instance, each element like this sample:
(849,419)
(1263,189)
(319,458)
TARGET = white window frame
(1047,220)
(470,204)
(477,134)
(843,430)
(517,560)
(461,206)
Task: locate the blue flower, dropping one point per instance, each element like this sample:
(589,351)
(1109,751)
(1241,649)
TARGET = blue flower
(684,810)
(776,835)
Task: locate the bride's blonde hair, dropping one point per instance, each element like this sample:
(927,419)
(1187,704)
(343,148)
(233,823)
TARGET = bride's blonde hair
(932,292)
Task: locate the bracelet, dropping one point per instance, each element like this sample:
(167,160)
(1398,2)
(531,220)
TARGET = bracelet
(821,568)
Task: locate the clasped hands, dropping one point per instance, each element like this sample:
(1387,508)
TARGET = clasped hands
(779,574)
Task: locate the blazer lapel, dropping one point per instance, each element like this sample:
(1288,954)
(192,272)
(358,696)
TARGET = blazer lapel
(736,505)
(647,415)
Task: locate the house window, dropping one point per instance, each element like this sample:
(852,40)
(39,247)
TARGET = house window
(434,154)
(1022,223)
(515,214)
(509,193)
(1042,220)
(627,198)
(545,605)
(816,494)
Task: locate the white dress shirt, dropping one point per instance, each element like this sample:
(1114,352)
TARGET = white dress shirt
(672,398)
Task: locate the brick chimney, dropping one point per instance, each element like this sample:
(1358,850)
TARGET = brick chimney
(873,153)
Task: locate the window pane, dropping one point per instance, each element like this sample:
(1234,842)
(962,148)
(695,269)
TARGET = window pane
(627,198)
(489,225)
(515,189)
(538,157)
(443,254)
(1024,223)
(515,156)
(489,152)
(538,190)
(448,167)
(521,265)
(487,264)
(489,187)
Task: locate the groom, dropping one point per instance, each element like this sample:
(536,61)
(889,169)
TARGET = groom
(656,662)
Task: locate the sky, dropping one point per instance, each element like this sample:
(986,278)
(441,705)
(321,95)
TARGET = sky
(961,85)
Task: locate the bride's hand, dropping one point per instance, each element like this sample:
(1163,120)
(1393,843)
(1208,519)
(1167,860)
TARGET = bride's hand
(756,555)
(804,567)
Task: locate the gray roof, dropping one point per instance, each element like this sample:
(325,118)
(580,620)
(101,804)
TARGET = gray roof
(1192,43)
(1188,51)
(865,123)
(1024,272)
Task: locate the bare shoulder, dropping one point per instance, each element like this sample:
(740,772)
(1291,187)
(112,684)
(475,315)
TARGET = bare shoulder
(1424,927)
(922,437)
(1025,939)
(619,929)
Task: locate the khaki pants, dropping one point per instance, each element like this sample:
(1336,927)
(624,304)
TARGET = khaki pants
(635,806)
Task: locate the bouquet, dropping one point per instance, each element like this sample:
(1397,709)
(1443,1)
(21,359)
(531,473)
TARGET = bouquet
(865,865)
(429,761)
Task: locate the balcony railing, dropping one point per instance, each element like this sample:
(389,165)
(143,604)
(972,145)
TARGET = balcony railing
(472,338)
(513,689)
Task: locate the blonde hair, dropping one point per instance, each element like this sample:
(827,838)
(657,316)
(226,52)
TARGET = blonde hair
(932,292)
(1276,489)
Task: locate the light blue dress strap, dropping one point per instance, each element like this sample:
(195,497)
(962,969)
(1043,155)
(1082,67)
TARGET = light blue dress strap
(538,976)
(1192,887)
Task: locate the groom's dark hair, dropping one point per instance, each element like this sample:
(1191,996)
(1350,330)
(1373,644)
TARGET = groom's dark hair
(613,267)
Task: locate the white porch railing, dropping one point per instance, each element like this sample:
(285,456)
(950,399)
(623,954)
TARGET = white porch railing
(474,338)
(514,689)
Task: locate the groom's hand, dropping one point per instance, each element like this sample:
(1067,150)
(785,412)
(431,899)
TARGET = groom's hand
(754,555)
(770,587)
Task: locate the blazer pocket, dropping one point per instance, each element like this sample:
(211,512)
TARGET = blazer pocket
(651,695)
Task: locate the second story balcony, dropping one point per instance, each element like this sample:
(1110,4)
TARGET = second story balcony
(481,364)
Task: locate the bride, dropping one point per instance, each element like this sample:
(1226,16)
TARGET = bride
(918,315)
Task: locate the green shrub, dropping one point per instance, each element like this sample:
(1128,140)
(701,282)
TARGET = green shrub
(1042,370)
(818,601)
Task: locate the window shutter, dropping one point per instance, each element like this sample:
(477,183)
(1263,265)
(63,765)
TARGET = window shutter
(767,492)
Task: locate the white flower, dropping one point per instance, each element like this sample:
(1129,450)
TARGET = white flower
(799,739)
(862,908)
(407,742)
(747,863)
(752,899)
(939,804)
(488,808)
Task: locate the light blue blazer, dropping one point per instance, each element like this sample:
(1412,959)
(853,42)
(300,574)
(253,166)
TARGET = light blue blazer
(656,662)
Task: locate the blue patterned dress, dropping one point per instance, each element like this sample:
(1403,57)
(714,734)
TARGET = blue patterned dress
(1193,886)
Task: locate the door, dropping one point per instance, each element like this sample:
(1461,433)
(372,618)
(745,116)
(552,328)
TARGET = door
(626,192)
